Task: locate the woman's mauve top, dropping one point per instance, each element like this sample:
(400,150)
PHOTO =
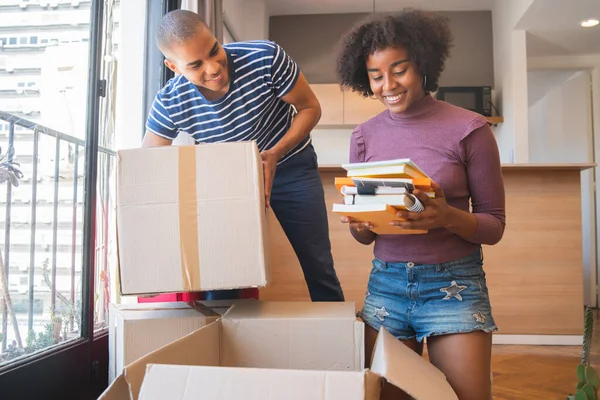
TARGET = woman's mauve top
(457,149)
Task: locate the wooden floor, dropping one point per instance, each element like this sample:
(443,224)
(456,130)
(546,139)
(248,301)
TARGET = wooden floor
(539,372)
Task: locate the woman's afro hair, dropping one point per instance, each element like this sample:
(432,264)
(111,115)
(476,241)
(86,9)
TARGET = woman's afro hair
(426,36)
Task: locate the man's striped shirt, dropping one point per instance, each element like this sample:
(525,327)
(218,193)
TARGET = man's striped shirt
(260,74)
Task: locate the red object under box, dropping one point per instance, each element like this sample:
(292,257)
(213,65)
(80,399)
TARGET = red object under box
(251,293)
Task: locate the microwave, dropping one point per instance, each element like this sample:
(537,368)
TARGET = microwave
(474,98)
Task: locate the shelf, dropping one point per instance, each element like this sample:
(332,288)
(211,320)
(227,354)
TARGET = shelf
(495,120)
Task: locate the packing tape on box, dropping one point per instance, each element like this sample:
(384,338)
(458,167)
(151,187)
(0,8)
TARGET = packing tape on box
(188,219)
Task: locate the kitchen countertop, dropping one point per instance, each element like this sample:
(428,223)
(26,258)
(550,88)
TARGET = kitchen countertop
(513,166)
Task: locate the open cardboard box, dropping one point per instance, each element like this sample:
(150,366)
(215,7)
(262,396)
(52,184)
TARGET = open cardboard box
(261,350)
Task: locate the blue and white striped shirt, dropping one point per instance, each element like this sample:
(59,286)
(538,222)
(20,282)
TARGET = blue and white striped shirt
(260,74)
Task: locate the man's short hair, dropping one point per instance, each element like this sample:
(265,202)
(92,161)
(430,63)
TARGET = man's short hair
(176,27)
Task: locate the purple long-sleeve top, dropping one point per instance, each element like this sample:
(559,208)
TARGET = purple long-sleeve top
(457,149)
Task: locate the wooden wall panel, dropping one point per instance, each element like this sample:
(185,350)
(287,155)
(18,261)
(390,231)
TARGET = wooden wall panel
(535,274)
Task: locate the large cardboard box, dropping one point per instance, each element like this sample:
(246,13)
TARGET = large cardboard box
(138,329)
(258,350)
(191,218)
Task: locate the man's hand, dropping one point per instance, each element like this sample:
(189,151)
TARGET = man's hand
(269,159)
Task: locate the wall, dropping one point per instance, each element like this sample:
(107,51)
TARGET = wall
(510,79)
(246,19)
(130,83)
(560,128)
(471,61)
(590,202)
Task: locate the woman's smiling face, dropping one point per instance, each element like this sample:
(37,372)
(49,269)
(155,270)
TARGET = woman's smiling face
(394,78)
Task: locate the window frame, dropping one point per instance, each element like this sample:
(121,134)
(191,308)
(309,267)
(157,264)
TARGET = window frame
(156,73)
(78,368)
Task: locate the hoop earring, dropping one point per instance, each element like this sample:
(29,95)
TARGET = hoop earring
(424,81)
(372,97)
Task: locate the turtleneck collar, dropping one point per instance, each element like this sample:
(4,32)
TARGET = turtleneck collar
(420,109)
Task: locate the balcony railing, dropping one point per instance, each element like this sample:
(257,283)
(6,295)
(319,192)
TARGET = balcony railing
(43,263)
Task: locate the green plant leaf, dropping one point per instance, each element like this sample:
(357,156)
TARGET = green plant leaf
(589,391)
(580,385)
(581,373)
(580,395)
(591,377)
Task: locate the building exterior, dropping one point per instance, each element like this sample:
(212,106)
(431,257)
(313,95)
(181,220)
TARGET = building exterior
(44,48)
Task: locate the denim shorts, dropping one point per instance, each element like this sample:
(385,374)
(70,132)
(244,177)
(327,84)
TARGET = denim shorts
(419,300)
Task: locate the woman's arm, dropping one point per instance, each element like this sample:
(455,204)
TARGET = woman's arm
(485,225)
(360,230)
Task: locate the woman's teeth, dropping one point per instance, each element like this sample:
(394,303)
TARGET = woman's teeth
(394,99)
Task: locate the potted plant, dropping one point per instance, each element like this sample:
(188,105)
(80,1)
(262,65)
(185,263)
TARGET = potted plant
(588,383)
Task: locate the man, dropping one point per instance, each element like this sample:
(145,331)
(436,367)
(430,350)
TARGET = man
(250,91)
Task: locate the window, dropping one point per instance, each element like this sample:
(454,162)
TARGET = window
(52,243)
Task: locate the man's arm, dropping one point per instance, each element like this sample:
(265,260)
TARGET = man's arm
(153,140)
(308,115)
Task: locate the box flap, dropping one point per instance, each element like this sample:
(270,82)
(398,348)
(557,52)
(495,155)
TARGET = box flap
(373,385)
(146,188)
(118,390)
(291,310)
(408,371)
(143,330)
(231,210)
(308,336)
(208,383)
(198,348)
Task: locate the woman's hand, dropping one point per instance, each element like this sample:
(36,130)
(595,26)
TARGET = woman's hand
(360,230)
(437,213)
(357,226)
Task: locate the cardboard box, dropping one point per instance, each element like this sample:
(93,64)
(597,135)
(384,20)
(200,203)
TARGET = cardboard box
(286,351)
(191,218)
(256,334)
(138,329)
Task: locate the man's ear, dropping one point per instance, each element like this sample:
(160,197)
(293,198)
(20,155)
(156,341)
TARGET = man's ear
(172,66)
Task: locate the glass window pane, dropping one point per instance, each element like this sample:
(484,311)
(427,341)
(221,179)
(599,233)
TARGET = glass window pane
(41,219)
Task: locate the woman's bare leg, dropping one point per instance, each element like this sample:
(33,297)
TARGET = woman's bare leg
(465,359)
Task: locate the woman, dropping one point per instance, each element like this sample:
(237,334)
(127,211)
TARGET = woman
(427,285)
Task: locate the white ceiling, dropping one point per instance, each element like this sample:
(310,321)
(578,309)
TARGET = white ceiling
(297,7)
(552,25)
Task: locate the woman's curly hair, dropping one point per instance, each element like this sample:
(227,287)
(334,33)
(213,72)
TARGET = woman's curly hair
(426,35)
